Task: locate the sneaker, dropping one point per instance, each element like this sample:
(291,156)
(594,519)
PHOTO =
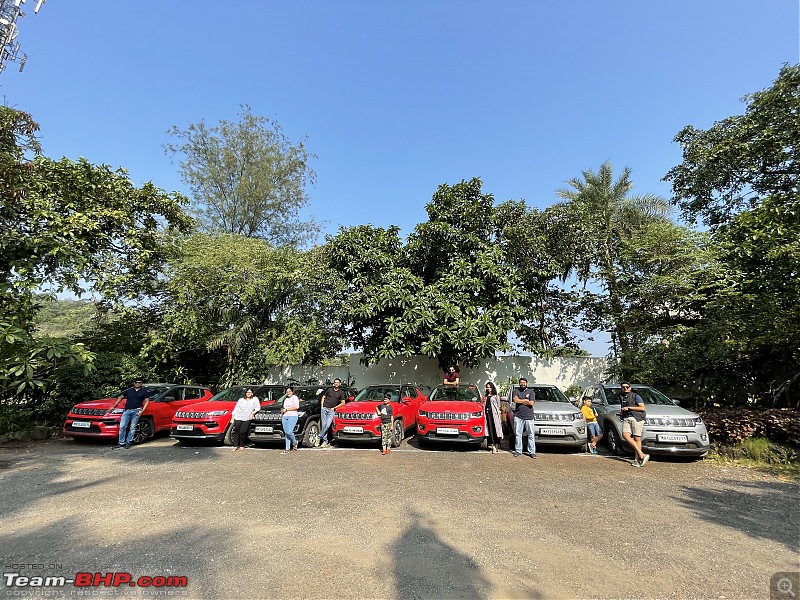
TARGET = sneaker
(127,446)
(117,447)
(644,460)
(532,455)
(636,463)
(316,443)
(515,454)
(594,450)
(326,444)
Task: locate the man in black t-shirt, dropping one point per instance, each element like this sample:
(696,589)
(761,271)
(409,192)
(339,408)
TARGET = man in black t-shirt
(523,398)
(136,400)
(332,398)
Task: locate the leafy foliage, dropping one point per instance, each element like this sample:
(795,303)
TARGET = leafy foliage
(246,178)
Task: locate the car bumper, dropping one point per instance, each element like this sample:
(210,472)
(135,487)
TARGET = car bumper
(198,433)
(434,432)
(560,435)
(106,428)
(357,432)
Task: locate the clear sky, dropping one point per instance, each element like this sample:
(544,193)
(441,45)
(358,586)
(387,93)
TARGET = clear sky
(399,96)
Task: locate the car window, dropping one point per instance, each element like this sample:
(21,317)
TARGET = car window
(174,394)
(376,392)
(193,393)
(549,394)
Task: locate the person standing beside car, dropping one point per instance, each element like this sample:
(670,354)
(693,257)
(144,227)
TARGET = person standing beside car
(289,419)
(246,407)
(523,399)
(136,400)
(633,415)
(333,398)
(386,414)
(593,433)
(494,424)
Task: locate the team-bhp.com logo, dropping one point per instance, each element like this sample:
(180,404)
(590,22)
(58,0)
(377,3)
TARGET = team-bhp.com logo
(94,580)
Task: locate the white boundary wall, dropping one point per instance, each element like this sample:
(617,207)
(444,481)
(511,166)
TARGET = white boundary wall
(563,372)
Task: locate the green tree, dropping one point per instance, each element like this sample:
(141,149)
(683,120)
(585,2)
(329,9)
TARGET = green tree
(598,215)
(448,293)
(741,177)
(246,178)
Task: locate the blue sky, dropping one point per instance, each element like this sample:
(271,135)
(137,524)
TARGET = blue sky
(399,96)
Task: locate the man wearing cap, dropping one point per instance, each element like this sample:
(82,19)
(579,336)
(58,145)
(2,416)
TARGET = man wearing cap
(136,400)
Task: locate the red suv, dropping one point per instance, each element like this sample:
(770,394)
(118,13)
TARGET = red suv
(95,419)
(454,413)
(358,421)
(211,420)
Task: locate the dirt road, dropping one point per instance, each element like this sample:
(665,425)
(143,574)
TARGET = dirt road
(350,523)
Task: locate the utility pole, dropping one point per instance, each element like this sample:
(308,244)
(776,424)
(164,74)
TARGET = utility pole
(10,50)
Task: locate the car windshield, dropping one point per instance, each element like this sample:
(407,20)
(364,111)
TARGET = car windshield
(309,393)
(231,394)
(376,392)
(648,394)
(549,394)
(456,392)
(156,390)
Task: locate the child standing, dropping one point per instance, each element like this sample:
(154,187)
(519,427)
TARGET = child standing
(386,413)
(592,426)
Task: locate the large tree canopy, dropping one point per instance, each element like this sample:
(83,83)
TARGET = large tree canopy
(246,178)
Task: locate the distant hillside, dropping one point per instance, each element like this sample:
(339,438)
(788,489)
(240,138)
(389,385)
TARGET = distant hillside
(64,318)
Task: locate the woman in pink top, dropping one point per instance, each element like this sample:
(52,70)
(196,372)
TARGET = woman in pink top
(289,419)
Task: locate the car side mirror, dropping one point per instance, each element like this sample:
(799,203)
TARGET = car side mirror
(169,398)
(676,402)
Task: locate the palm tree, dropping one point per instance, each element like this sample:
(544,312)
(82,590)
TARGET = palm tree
(600,214)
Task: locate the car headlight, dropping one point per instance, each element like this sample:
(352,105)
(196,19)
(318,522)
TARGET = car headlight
(476,414)
(117,411)
(217,413)
(422,413)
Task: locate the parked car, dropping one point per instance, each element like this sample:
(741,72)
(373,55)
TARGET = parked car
(212,420)
(668,428)
(358,421)
(556,421)
(267,426)
(453,413)
(95,419)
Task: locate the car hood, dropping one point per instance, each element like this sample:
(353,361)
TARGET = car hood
(101,403)
(212,405)
(451,406)
(555,407)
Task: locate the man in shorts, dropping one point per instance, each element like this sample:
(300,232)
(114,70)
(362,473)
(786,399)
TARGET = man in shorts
(633,416)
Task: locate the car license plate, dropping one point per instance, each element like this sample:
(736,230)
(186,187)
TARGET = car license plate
(672,438)
(82,424)
(552,431)
(263,429)
(353,429)
(184,427)
(447,430)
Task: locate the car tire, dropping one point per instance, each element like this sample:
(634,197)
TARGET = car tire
(311,434)
(144,431)
(613,441)
(399,433)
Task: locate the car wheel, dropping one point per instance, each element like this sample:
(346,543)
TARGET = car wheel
(144,431)
(311,435)
(612,440)
(399,433)
(228,439)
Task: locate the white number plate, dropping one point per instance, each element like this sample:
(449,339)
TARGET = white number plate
(83,424)
(672,438)
(263,429)
(447,430)
(184,427)
(552,431)
(354,429)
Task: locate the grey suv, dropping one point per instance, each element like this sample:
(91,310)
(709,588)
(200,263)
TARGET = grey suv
(668,428)
(557,422)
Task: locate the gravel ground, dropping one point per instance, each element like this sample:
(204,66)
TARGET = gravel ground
(350,523)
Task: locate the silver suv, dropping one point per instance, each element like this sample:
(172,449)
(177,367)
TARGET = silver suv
(668,428)
(556,421)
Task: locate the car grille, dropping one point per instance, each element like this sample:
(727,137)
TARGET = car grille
(97,412)
(672,422)
(448,416)
(355,416)
(267,416)
(182,414)
(555,416)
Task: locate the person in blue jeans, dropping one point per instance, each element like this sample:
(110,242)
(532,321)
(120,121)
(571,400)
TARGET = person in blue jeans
(136,401)
(289,419)
(332,399)
(523,398)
